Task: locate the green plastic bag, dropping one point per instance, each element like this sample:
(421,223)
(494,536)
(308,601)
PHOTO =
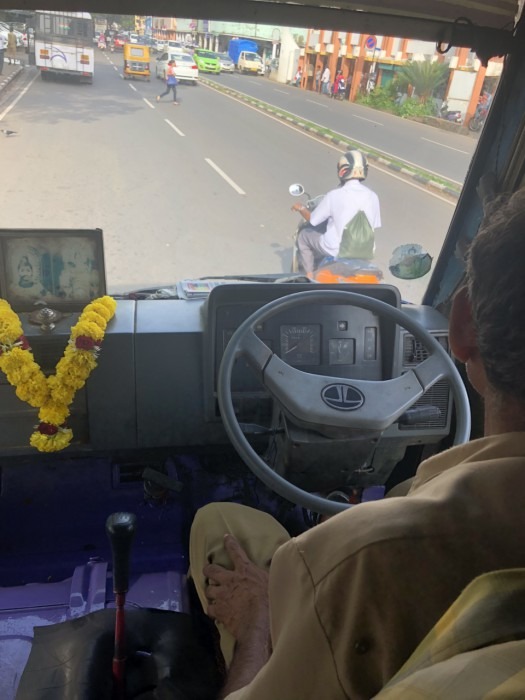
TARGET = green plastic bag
(358,238)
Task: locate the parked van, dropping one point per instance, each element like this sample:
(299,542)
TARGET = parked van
(249,62)
(136,61)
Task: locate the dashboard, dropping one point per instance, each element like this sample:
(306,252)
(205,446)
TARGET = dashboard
(330,340)
(156,381)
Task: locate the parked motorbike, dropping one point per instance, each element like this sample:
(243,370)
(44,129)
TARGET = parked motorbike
(451,115)
(339,92)
(332,269)
(477,121)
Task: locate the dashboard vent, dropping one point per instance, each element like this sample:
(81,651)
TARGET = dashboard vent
(438,395)
(414,352)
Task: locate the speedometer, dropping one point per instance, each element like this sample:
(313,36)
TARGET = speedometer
(301,344)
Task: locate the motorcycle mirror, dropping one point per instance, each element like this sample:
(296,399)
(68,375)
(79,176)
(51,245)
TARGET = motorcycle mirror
(410,262)
(296,190)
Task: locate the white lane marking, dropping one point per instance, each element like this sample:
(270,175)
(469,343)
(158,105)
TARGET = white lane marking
(365,119)
(445,146)
(339,150)
(179,132)
(283,92)
(133,88)
(148,103)
(317,103)
(115,68)
(18,97)
(225,177)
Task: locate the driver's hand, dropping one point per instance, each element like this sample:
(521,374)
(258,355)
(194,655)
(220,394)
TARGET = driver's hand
(297,206)
(238,599)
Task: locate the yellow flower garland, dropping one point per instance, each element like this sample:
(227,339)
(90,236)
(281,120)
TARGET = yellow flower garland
(53,395)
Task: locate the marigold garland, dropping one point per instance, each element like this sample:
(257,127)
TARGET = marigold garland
(53,395)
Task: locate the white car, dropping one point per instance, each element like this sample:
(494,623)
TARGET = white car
(185,67)
(227,65)
(172,45)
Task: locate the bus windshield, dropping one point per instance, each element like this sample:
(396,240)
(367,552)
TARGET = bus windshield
(201,187)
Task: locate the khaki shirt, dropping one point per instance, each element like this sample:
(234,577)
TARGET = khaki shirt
(476,651)
(351,599)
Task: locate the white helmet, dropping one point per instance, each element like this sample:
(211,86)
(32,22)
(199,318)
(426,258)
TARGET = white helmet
(353,165)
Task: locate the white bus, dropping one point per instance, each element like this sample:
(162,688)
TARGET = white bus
(63,44)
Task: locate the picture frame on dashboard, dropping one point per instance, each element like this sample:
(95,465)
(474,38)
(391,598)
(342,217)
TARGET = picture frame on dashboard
(60,268)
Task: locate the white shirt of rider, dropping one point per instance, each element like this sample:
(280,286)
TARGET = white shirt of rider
(339,207)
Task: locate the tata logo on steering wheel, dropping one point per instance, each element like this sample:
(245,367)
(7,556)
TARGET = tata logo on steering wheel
(342,397)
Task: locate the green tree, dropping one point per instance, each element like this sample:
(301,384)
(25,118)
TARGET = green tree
(425,77)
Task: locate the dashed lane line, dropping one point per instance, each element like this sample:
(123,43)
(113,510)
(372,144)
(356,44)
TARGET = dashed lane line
(179,132)
(365,119)
(445,146)
(225,177)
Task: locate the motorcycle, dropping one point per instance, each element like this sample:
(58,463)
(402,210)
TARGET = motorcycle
(477,121)
(332,269)
(453,115)
(339,92)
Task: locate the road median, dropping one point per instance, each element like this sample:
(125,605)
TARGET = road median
(404,169)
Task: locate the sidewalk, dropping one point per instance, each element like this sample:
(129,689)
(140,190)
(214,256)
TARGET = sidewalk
(9,73)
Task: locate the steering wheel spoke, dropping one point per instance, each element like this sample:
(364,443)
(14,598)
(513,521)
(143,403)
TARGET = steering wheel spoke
(317,402)
(431,370)
(255,350)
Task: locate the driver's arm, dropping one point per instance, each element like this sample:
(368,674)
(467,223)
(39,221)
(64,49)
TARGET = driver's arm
(302,662)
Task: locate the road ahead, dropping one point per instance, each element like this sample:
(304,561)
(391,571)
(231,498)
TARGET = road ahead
(180,191)
(438,151)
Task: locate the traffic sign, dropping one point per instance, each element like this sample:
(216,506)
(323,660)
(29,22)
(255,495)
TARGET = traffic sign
(371,42)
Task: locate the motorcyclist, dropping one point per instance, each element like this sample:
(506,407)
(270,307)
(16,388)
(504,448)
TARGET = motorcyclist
(338,207)
(338,79)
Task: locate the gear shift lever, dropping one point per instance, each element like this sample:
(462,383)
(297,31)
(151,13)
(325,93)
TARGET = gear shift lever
(120,528)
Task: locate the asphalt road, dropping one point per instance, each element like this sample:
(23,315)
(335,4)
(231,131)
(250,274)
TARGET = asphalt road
(180,191)
(442,152)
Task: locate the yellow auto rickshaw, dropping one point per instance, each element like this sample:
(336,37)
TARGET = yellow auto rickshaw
(136,61)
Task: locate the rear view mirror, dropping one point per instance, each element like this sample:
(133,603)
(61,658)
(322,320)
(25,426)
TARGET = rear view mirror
(410,262)
(296,190)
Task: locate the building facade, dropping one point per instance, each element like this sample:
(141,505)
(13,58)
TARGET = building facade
(369,61)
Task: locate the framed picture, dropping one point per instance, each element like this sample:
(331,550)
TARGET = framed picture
(64,269)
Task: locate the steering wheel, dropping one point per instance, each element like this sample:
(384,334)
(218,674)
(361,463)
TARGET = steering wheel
(305,397)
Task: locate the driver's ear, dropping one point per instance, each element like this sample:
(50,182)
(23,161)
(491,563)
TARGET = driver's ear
(462,334)
(464,342)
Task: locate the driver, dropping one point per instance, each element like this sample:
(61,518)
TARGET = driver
(338,207)
(343,605)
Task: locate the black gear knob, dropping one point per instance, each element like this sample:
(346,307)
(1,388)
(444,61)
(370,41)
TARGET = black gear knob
(121,528)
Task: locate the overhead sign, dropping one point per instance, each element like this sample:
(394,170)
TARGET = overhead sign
(371,42)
